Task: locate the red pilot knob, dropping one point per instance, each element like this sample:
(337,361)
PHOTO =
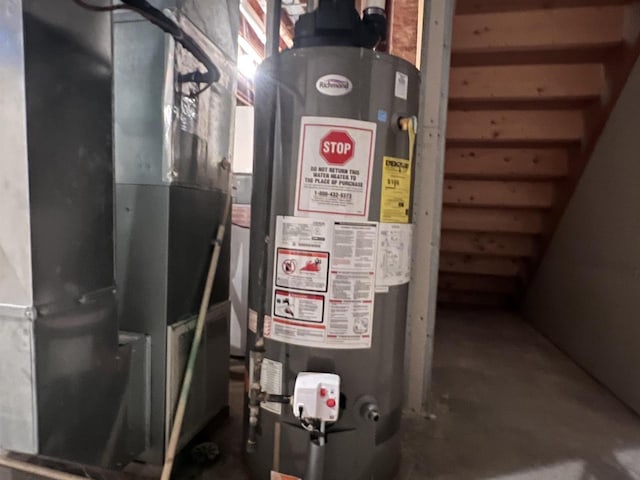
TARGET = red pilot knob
(331,402)
(323,392)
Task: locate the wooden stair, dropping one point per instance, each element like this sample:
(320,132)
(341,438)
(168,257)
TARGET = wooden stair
(531,85)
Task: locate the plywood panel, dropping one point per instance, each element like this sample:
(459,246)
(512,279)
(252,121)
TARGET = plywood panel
(461,282)
(499,266)
(505,193)
(497,244)
(493,220)
(506,162)
(404,29)
(515,125)
(539,29)
(527,82)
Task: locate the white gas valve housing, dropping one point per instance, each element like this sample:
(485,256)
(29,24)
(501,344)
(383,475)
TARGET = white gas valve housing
(316,396)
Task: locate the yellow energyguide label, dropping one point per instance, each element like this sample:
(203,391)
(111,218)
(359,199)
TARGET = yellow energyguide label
(396,190)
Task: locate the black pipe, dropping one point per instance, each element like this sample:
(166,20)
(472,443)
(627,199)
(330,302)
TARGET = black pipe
(315,462)
(274,10)
(338,23)
(158,18)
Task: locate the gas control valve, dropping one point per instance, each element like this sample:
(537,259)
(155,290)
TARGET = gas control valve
(317,396)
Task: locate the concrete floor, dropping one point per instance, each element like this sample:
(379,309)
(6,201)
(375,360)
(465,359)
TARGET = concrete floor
(507,405)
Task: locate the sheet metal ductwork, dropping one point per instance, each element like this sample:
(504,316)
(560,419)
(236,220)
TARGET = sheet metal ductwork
(113,182)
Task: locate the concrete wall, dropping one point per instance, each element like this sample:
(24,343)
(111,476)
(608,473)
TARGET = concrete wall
(586,295)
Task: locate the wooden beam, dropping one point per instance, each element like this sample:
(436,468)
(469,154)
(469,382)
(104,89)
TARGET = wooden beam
(485,193)
(527,82)
(287,29)
(486,6)
(496,244)
(493,220)
(480,265)
(557,29)
(418,33)
(515,126)
(248,33)
(473,299)
(521,163)
(461,282)
(255,10)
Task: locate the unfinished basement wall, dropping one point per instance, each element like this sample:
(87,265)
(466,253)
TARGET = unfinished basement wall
(586,294)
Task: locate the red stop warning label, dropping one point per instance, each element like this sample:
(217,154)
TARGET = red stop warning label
(335,167)
(336,147)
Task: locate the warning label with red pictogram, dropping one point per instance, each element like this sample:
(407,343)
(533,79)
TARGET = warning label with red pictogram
(323,295)
(297,306)
(335,163)
(302,269)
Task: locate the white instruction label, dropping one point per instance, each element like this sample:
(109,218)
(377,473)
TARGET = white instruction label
(334,309)
(303,233)
(271,382)
(335,165)
(354,246)
(394,254)
(402,85)
(352,286)
(350,319)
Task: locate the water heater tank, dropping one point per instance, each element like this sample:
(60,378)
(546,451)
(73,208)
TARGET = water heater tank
(330,252)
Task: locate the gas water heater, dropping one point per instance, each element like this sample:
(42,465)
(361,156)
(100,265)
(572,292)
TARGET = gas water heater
(330,251)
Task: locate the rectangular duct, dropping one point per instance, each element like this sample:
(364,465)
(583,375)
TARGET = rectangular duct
(60,357)
(87,104)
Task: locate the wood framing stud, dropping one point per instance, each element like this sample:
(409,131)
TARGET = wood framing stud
(427,203)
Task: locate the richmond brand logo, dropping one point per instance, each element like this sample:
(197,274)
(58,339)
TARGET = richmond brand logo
(334,85)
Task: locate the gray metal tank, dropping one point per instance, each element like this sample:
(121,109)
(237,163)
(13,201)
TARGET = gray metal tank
(329,84)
